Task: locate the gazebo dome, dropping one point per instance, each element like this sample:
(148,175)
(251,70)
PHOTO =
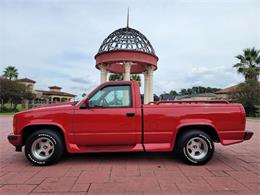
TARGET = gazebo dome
(127,39)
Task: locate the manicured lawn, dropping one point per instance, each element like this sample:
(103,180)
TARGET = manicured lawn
(8,108)
(7,113)
(253,118)
(18,107)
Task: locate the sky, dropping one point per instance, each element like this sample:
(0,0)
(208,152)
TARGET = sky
(54,41)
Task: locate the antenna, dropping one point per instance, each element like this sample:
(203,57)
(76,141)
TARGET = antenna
(127,22)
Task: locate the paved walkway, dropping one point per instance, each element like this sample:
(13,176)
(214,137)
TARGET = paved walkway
(233,170)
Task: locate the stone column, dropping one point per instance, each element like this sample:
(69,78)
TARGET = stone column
(127,74)
(103,73)
(146,87)
(148,84)
(26,104)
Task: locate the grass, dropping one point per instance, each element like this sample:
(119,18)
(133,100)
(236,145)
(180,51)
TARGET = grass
(254,118)
(8,106)
(7,113)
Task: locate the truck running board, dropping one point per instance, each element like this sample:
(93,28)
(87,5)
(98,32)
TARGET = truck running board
(118,148)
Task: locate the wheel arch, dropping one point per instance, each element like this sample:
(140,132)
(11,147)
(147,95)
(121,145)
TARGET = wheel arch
(206,128)
(28,130)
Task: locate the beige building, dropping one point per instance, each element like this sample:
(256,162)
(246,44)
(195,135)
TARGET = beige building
(28,83)
(54,94)
(225,93)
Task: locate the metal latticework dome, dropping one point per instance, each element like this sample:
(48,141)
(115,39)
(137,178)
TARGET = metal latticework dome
(126,39)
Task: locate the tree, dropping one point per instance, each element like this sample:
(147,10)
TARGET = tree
(197,90)
(248,94)
(115,77)
(156,97)
(183,92)
(173,93)
(189,91)
(10,73)
(120,77)
(136,77)
(249,64)
(13,92)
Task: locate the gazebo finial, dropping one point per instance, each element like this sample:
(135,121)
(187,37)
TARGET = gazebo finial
(127,21)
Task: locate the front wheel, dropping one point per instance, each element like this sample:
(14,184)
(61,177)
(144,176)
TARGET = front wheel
(44,147)
(196,147)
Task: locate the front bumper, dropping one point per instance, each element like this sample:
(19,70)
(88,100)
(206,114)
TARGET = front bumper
(248,135)
(15,140)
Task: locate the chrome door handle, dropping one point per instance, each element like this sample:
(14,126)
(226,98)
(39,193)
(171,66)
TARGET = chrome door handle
(130,114)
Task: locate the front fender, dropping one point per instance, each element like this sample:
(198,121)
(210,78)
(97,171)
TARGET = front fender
(48,124)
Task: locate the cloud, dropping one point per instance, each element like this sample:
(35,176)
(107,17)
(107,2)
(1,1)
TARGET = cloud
(55,43)
(80,80)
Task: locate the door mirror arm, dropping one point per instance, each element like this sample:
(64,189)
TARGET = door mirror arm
(85,104)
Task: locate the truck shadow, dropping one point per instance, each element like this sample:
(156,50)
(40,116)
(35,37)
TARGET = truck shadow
(122,156)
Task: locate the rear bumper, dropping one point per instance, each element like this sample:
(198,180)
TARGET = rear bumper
(248,135)
(15,140)
(234,137)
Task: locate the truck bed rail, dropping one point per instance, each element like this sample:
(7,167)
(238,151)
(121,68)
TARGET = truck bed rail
(189,102)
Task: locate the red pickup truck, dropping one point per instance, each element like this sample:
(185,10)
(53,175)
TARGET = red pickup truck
(113,119)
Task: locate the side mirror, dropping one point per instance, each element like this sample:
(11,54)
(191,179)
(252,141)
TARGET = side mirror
(85,104)
(86,101)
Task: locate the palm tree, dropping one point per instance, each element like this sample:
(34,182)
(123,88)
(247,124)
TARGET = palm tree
(10,72)
(249,64)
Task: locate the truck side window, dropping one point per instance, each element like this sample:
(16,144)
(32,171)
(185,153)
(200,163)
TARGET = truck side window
(111,96)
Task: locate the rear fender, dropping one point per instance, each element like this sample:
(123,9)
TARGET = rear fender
(193,123)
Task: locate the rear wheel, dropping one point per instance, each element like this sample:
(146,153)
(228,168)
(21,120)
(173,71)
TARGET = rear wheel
(44,147)
(196,147)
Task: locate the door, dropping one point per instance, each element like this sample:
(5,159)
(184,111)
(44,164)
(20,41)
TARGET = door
(109,118)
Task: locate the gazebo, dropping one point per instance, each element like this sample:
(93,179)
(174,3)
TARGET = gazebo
(127,51)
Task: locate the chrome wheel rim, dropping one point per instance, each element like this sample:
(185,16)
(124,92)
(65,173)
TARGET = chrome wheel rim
(197,148)
(42,148)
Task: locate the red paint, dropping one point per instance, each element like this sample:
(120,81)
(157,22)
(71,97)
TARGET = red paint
(109,130)
(113,59)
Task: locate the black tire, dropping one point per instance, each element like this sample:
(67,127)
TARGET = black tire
(44,147)
(195,147)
